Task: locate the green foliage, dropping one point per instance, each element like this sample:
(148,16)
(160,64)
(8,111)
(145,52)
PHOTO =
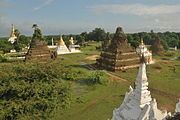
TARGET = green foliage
(70,74)
(23,40)
(16,32)
(5,46)
(32,91)
(97,34)
(37,33)
(97,77)
(3,58)
(169,39)
(165,45)
(169,54)
(18,47)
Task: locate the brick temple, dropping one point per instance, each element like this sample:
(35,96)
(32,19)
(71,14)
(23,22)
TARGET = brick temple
(119,55)
(157,47)
(38,51)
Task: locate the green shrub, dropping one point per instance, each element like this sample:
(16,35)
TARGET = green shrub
(70,74)
(169,54)
(3,58)
(32,91)
(97,77)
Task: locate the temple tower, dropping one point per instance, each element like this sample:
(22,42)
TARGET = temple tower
(12,37)
(138,104)
(157,47)
(142,49)
(118,55)
(62,48)
(52,42)
(178,107)
(72,47)
(38,51)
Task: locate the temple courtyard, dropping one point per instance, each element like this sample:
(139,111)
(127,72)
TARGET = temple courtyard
(98,101)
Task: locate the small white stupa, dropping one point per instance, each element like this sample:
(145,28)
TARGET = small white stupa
(138,103)
(12,37)
(175,48)
(62,48)
(177,107)
(142,49)
(52,44)
(72,46)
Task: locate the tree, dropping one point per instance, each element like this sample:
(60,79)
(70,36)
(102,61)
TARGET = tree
(17,33)
(97,34)
(24,40)
(84,36)
(21,41)
(165,45)
(107,41)
(5,46)
(32,91)
(37,32)
(173,42)
(80,39)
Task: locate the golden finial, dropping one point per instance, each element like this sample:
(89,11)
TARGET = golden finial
(61,42)
(142,42)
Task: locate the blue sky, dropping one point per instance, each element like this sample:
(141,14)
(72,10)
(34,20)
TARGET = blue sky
(76,16)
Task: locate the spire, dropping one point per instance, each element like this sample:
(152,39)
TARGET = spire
(142,42)
(142,48)
(12,31)
(12,37)
(52,40)
(178,107)
(61,42)
(142,94)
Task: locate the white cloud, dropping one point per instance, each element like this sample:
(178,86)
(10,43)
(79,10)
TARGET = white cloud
(45,3)
(136,9)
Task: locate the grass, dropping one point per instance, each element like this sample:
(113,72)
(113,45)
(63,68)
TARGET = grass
(164,80)
(97,102)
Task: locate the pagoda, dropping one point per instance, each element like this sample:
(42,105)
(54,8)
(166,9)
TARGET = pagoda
(38,51)
(52,46)
(138,103)
(62,48)
(157,47)
(73,47)
(12,37)
(142,49)
(118,55)
(177,107)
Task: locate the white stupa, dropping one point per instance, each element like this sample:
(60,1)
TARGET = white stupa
(138,103)
(72,46)
(12,37)
(52,46)
(177,107)
(62,48)
(142,49)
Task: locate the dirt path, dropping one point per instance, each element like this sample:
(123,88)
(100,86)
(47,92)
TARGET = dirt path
(115,77)
(92,57)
